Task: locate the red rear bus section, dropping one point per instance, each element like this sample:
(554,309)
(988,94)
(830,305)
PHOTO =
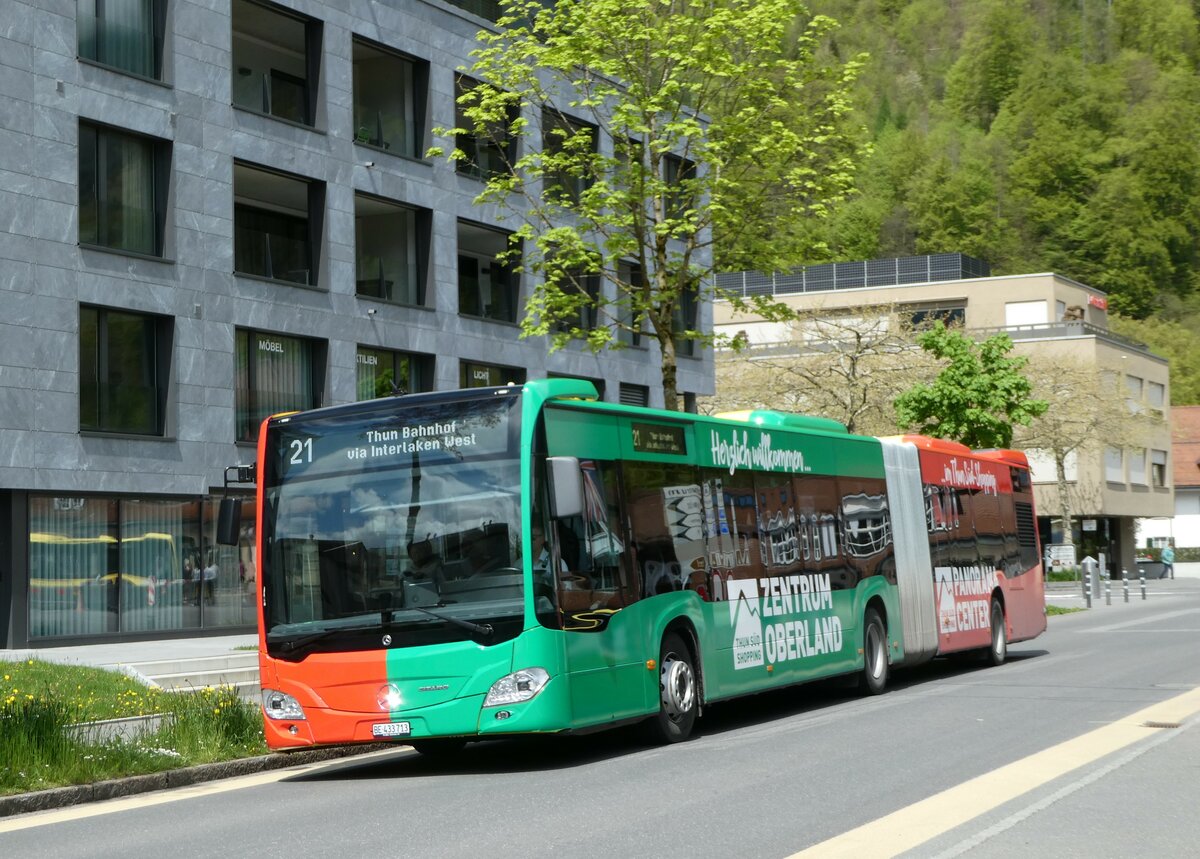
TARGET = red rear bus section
(980,530)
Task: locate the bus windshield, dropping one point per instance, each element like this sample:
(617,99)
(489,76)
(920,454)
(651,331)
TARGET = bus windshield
(393,519)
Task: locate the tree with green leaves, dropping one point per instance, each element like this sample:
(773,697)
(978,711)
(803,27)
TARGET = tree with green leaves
(978,395)
(647,144)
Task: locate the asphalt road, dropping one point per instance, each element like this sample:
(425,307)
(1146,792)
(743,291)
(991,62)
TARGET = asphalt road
(1084,744)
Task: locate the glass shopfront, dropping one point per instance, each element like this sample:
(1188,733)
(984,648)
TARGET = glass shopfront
(120,565)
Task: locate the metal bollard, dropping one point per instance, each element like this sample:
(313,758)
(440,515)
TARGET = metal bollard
(1125,583)
(1107,590)
(1142,579)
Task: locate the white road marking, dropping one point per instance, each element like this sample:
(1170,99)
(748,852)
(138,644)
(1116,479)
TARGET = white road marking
(918,823)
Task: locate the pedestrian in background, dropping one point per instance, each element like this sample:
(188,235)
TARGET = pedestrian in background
(1168,562)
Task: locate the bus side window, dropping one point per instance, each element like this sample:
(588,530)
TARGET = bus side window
(597,578)
(666,512)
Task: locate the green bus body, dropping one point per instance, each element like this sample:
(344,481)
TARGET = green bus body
(704,506)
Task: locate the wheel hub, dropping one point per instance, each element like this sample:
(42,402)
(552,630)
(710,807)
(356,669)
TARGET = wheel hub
(678,688)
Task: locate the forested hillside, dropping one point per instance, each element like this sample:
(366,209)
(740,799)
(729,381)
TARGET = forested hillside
(1039,135)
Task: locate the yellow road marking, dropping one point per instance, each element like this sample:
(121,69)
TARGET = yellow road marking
(912,826)
(145,800)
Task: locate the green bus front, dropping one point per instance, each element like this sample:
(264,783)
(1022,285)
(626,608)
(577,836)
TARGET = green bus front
(421,581)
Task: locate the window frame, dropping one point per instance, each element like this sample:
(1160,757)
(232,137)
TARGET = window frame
(558,185)
(512,278)
(157,38)
(504,145)
(312,54)
(313,221)
(416,95)
(247,408)
(103,137)
(420,235)
(155,359)
(508,375)
(418,372)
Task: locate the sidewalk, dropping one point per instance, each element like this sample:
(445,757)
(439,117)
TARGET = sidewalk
(124,654)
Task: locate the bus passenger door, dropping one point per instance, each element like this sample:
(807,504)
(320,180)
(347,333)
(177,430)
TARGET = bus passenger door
(605,642)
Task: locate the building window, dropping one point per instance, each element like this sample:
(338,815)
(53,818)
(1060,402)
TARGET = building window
(123,182)
(124,368)
(391,244)
(487,286)
(1114,465)
(489,9)
(275,374)
(475,375)
(276,62)
(123,34)
(276,224)
(101,565)
(1158,469)
(634,395)
(1018,314)
(1156,396)
(387,373)
(1133,394)
(562,134)
(678,174)
(926,317)
(1137,467)
(486,154)
(587,286)
(686,318)
(389,100)
(630,330)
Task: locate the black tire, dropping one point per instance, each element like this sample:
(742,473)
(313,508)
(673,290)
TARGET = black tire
(679,693)
(440,748)
(874,676)
(997,652)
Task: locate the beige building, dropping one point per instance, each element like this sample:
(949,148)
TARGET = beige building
(1045,315)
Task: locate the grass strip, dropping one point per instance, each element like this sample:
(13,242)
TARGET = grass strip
(40,701)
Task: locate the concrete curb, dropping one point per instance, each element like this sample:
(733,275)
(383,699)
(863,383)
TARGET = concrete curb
(61,797)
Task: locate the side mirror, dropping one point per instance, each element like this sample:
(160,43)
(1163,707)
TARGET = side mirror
(566,486)
(229,521)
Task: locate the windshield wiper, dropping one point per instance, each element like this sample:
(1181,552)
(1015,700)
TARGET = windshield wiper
(483,629)
(290,644)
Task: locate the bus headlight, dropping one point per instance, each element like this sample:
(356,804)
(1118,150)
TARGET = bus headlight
(516,687)
(278,705)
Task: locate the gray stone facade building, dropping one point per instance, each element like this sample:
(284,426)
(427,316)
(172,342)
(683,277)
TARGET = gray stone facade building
(213,210)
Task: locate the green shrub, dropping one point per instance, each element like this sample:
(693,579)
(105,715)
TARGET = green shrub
(1068,574)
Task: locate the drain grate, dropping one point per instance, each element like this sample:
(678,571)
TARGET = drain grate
(1160,724)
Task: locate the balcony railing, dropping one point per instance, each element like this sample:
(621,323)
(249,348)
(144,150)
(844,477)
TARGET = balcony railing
(898,271)
(1059,330)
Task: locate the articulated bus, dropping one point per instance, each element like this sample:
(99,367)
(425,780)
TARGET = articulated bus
(446,567)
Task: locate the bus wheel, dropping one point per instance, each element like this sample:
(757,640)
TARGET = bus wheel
(998,651)
(678,694)
(874,676)
(441,748)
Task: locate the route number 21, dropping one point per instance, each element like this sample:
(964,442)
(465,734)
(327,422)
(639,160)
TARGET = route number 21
(301,451)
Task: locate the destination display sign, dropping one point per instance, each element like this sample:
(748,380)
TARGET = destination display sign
(395,437)
(658,438)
